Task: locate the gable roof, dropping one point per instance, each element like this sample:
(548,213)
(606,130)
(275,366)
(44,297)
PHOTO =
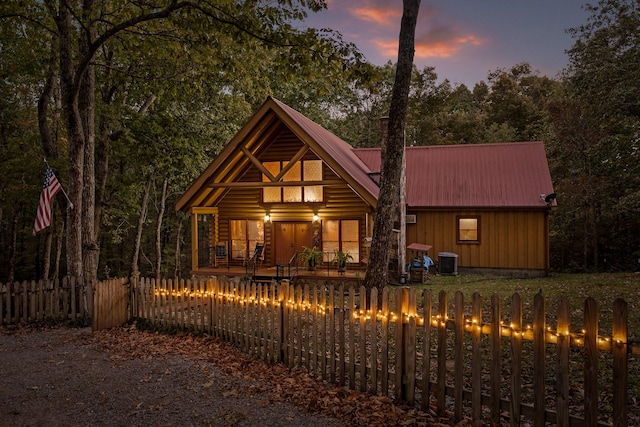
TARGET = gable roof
(258,131)
(499,175)
(503,175)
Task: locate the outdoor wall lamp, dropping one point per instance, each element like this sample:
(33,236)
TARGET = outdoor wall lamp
(267,218)
(315,217)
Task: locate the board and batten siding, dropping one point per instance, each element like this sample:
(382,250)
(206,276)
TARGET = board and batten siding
(508,239)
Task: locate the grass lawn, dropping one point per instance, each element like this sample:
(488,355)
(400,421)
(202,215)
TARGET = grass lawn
(603,287)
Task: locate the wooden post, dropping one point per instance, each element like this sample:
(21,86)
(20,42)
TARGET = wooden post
(476,359)
(426,349)
(341,335)
(516,360)
(352,338)
(332,334)
(442,352)
(409,344)
(402,303)
(496,358)
(590,362)
(563,345)
(459,354)
(539,347)
(620,368)
(373,386)
(384,336)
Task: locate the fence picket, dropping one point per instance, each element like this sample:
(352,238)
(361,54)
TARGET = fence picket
(299,326)
(539,349)
(426,349)
(563,345)
(342,351)
(332,336)
(313,364)
(352,341)
(476,356)
(591,362)
(409,344)
(620,365)
(25,298)
(496,365)
(442,352)
(458,354)
(516,360)
(373,333)
(362,340)
(352,338)
(384,346)
(402,304)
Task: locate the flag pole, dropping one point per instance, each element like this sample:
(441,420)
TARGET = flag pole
(61,187)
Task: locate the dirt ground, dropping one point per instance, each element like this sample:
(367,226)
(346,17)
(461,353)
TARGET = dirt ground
(69,377)
(61,376)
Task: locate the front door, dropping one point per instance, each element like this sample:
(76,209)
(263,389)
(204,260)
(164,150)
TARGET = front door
(290,237)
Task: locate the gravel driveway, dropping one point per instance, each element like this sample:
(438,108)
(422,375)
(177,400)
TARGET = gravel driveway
(71,377)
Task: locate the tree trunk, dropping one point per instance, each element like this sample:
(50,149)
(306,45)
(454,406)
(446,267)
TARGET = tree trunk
(75,136)
(135,271)
(56,268)
(14,249)
(163,201)
(47,256)
(48,143)
(86,109)
(176,272)
(388,199)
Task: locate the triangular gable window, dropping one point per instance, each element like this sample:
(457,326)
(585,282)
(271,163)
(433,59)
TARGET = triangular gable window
(300,173)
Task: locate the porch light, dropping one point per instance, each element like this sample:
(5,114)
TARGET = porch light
(315,217)
(267,218)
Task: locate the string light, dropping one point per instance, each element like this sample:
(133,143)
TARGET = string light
(470,324)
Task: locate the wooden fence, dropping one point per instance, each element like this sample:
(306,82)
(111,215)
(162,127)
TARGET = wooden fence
(24,302)
(110,304)
(467,359)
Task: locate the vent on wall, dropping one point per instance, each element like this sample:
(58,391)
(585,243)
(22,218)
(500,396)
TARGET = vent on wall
(410,219)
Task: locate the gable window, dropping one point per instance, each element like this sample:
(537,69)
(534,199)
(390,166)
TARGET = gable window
(302,172)
(468,229)
(340,235)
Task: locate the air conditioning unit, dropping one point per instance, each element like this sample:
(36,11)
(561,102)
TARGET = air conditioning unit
(448,263)
(410,219)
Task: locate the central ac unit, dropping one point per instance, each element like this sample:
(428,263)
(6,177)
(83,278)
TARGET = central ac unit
(410,219)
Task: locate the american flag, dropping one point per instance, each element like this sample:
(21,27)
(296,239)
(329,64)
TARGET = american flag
(50,188)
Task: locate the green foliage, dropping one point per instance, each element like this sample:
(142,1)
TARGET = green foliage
(311,257)
(595,157)
(340,258)
(171,92)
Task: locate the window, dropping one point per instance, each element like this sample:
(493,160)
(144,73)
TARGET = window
(340,235)
(245,234)
(302,171)
(271,194)
(469,229)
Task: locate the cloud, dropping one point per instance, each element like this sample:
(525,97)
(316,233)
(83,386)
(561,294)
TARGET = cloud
(444,43)
(376,23)
(438,41)
(381,12)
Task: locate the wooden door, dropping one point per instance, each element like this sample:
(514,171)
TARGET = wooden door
(290,237)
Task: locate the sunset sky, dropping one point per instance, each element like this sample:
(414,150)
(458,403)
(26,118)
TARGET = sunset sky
(463,39)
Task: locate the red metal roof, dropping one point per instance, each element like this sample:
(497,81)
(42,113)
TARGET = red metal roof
(499,175)
(336,148)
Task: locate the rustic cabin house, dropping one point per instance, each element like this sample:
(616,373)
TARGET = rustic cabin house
(284,183)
